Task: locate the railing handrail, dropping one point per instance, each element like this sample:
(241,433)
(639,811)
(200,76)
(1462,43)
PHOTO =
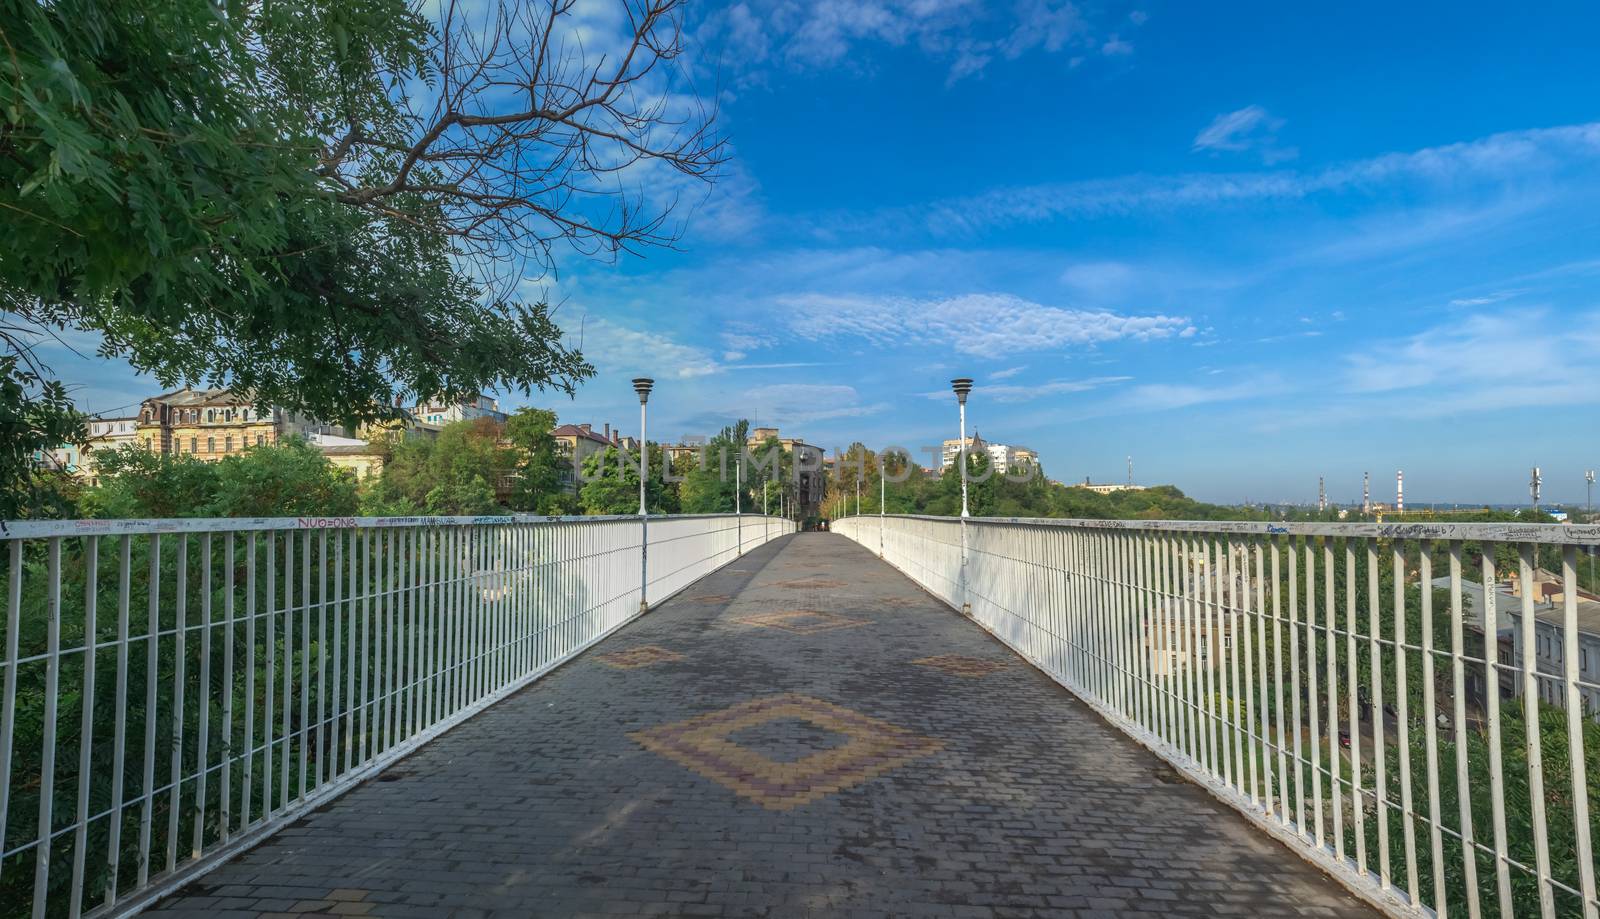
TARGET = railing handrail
(1565,534)
(40,529)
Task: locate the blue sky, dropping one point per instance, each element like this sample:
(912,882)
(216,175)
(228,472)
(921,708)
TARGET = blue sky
(1247,247)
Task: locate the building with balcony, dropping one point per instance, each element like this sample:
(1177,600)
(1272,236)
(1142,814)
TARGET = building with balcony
(213,423)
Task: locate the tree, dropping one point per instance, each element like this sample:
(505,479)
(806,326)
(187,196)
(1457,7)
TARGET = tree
(611,484)
(327,203)
(711,485)
(291,479)
(538,486)
(454,473)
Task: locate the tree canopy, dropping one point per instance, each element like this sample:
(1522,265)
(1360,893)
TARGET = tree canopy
(327,204)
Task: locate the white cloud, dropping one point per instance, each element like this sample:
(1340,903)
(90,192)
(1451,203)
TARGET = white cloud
(992,325)
(613,347)
(757,36)
(1479,352)
(806,403)
(1116,47)
(1249,128)
(1011,393)
(1497,159)
(1098,279)
(1007,373)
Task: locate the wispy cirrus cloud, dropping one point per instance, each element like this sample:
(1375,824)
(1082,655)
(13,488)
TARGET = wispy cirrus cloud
(758,37)
(982,324)
(1497,160)
(1010,393)
(1248,129)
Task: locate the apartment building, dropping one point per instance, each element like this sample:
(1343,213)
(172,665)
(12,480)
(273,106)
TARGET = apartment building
(212,423)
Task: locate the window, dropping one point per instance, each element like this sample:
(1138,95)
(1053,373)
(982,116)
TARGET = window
(211,445)
(227,444)
(261,440)
(193,445)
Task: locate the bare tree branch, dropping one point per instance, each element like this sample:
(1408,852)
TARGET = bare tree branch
(520,136)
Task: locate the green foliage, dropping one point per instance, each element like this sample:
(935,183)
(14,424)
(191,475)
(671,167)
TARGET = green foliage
(538,487)
(167,185)
(454,473)
(611,484)
(710,486)
(290,479)
(35,416)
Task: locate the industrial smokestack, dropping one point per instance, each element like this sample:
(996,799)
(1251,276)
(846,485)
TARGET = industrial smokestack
(1322,495)
(1366,492)
(1400,490)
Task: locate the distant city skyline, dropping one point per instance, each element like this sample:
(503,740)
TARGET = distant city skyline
(1143,229)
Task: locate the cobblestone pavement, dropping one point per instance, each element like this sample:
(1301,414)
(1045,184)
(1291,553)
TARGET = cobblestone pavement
(804,732)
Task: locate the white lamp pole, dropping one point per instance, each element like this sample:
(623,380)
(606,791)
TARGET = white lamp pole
(738,502)
(882,491)
(963,386)
(642,386)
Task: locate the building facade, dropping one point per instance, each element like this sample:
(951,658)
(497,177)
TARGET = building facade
(952,449)
(210,424)
(805,462)
(442,413)
(576,443)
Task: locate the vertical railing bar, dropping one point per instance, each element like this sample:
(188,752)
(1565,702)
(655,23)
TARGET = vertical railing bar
(152,660)
(1193,595)
(1469,851)
(180,654)
(247,750)
(1491,698)
(203,702)
(284,757)
(1312,695)
(1430,735)
(9,707)
(322,655)
(120,731)
(1576,753)
(1248,687)
(1358,806)
(1403,722)
(1295,694)
(230,752)
(1208,603)
(1530,730)
(1380,789)
(91,630)
(1285,810)
(1234,644)
(344,642)
(1330,614)
(270,697)
(1265,744)
(47,752)
(364,750)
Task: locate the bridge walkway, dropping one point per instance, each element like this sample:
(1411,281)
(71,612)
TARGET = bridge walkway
(804,732)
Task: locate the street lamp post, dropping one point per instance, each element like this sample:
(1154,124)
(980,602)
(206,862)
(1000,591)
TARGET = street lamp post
(1588,481)
(883,490)
(642,385)
(962,386)
(738,502)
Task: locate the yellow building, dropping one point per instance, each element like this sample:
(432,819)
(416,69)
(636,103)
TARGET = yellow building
(212,423)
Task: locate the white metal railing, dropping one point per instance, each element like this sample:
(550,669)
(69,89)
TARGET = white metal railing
(1332,681)
(176,690)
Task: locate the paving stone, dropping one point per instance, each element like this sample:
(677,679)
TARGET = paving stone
(804,732)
